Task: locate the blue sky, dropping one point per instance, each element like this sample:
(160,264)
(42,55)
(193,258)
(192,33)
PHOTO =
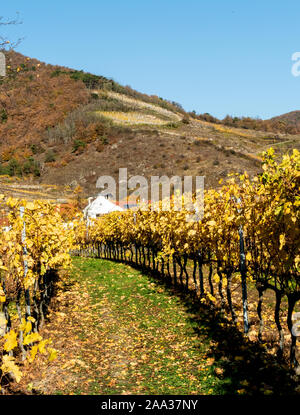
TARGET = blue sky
(216,56)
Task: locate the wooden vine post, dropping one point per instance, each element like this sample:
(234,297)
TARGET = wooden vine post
(23,238)
(243,272)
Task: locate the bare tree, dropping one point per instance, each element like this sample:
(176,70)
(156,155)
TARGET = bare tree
(4,42)
(6,45)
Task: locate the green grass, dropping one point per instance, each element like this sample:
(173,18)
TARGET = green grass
(136,335)
(156,335)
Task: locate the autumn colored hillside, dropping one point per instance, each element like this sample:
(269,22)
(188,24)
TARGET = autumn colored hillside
(32,101)
(291,119)
(66,128)
(286,123)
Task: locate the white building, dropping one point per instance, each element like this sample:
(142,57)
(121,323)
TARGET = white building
(99,206)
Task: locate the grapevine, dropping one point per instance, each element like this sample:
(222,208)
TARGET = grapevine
(32,249)
(264,210)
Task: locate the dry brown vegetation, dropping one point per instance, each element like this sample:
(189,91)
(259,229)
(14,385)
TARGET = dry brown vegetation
(32,101)
(287,123)
(52,131)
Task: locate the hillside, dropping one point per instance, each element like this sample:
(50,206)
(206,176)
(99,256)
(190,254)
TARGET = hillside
(291,119)
(66,128)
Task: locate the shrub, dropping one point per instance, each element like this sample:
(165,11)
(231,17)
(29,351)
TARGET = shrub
(94,96)
(14,168)
(90,80)
(3,115)
(104,139)
(31,167)
(78,145)
(50,156)
(172,125)
(4,170)
(36,148)
(55,73)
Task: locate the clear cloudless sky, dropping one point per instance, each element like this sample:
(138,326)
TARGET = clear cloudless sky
(217,56)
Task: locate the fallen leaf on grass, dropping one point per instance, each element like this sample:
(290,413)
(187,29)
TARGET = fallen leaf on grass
(209,361)
(219,371)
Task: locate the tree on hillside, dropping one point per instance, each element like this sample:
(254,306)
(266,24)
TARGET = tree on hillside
(4,42)
(5,45)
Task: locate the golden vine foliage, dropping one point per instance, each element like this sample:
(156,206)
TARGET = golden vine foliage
(35,243)
(266,208)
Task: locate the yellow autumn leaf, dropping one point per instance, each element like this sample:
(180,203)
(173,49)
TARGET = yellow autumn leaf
(9,366)
(216,278)
(248,256)
(42,346)
(52,354)
(212,223)
(27,326)
(281,241)
(211,297)
(31,338)
(11,340)
(2,295)
(30,206)
(33,353)
(22,325)
(192,232)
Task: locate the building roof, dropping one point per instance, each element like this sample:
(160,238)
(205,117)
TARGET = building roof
(100,206)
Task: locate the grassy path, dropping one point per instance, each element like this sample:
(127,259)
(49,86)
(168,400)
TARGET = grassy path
(118,331)
(147,343)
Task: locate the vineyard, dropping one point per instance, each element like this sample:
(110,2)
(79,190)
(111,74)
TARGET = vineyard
(33,248)
(241,258)
(249,235)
